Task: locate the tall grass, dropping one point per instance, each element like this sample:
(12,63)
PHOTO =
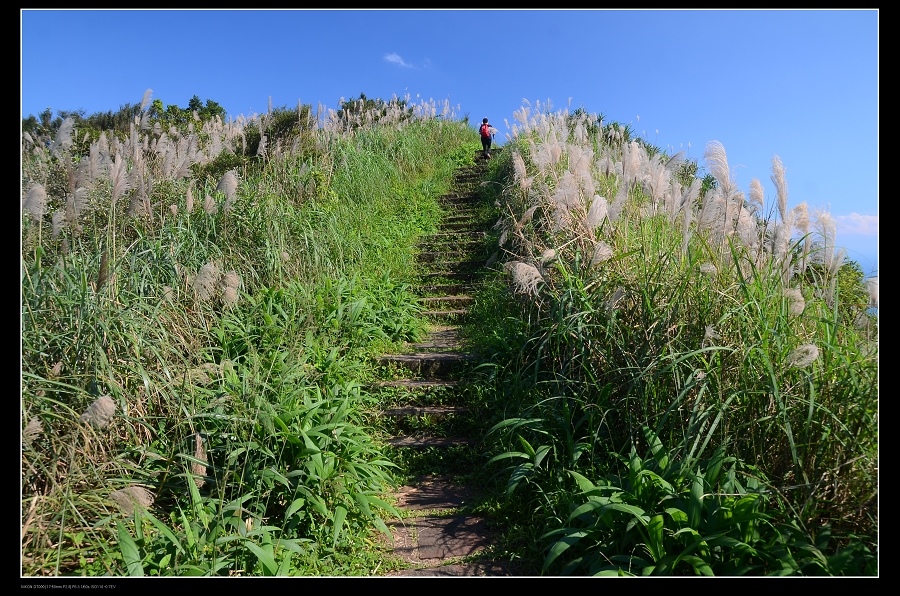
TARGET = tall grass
(685,322)
(196,334)
(684,380)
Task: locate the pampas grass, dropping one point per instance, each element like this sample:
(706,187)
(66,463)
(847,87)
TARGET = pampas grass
(796,303)
(803,356)
(198,468)
(718,166)
(231,283)
(872,288)
(602,253)
(780,186)
(525,277)
(597,212)
(32,430)
(209,206)
(131,497)
(35,203)
(228,186)
(103,272)
(100,413)
(205,282)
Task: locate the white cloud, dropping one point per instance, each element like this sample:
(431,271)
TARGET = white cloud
(863,225)
(396,59)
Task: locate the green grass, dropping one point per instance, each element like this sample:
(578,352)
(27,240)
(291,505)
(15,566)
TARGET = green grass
(650,413)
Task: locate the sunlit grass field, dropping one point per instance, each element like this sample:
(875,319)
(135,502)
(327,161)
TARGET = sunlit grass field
(682,377)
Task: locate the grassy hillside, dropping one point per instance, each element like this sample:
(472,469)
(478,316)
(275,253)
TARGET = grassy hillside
(684,377)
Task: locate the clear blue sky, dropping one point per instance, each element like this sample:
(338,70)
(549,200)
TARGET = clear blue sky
(800,84)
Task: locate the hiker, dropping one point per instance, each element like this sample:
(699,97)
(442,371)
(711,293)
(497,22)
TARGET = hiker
(487,134)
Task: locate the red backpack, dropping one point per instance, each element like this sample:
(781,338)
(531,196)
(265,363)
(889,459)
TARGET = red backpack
(485,130)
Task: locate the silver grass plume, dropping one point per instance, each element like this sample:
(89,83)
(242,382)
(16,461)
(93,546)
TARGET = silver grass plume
(209,206)
(228,186)
(712,212)
(656,178)
(613,301)
(132,497)
(780,186)
(803,356)
(261,148)
(97,162)
(709,269)
(796,303)
(710,336)
(872,288)
(567,192)
(526,217)
(747,229)
(602,252)
(633,156)
(59,222)
(597,212)
(687,215)
(525,277)
(139,206)
(75,206)
(802,223)
(672,200)
(189,201)
(718,166)
(606,165)
(119,178)
(521,175)
(63,136)
(827,229)
(199,469)
(618,204)
(32,430)
(100,413)
(231,283)
(756,195)
(206,281)
(35,203)
(103,272)
(145,101)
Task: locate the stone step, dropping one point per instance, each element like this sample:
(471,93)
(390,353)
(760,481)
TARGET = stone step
(461,226)
(435,535)
(416,411)
(418,384)
(443,301)
(436,538)
(456,236)
(444,337)
(456,266)
(429,364)
(444,256)
(451,315)
(426,441)
(429,290)
(465,276)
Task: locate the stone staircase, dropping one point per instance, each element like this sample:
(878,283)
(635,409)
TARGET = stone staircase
(430,413)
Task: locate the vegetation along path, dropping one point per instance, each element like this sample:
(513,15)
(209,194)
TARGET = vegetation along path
(433,414)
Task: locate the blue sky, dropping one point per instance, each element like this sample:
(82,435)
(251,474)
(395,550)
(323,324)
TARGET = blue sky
(800,84)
